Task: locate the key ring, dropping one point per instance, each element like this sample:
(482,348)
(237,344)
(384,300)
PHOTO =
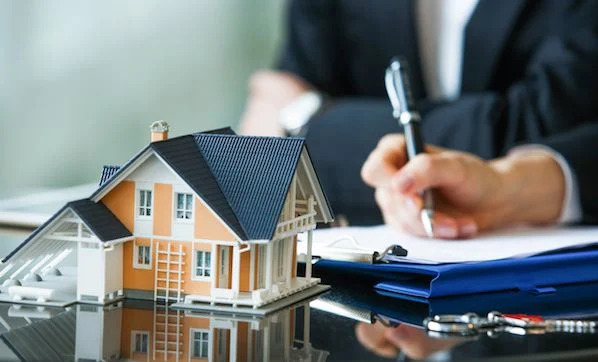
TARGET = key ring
(464,324)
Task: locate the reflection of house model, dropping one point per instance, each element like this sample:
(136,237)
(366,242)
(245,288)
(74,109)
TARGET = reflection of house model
(207,218)
(139,331)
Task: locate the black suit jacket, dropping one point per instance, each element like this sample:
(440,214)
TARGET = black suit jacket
(529,76)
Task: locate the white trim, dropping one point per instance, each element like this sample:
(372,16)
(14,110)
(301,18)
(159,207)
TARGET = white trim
(187,240)
(235,282)
(110,243)
(73,238)
(144,186)
(213,278)
(176,219)
(315,185)
(136,265)
(135,332)
(50,227)
(141,156)
(194,265)
(252,267)
(200,198)
(259,241)
(191,340)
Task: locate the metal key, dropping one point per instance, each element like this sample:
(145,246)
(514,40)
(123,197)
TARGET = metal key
(534,323)
(470,324)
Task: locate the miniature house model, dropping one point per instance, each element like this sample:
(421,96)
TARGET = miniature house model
(209,218)
(142,331)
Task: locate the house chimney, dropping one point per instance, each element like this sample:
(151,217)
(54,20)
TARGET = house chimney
(159,131)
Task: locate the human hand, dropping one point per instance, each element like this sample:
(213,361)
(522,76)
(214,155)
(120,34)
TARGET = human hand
(470,194)
(388,341)
(269,92)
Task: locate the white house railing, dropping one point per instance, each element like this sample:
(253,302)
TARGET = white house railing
(299,224)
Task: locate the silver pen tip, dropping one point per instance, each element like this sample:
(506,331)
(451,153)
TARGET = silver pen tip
(427,217)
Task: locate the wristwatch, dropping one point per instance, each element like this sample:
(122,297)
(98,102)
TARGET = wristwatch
(295,116)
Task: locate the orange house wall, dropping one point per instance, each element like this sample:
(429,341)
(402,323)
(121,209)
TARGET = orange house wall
(207,226)
(121,201)
(188,324)
(163,209)
(242,340)
(136,320)
(143,279)
(142,320)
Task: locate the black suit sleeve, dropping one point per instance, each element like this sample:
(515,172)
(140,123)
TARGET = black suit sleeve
(311,48)
(557,93)
(579,147)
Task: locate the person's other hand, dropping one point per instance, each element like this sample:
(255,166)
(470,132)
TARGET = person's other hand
(470,194)
(269,92)
(388,341)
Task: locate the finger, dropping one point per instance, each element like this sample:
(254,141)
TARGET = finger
(387,206)
(430,170)
(371,336)
(467,227)
(386,159)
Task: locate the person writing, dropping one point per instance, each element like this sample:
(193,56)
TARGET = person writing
(471,195)
(488,77)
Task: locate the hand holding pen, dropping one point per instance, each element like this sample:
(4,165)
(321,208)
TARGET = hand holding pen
(399,92)
(470,194)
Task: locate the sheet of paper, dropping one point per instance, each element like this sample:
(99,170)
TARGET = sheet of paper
(508,243)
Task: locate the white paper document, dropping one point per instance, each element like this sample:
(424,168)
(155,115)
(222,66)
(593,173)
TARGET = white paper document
(508,243)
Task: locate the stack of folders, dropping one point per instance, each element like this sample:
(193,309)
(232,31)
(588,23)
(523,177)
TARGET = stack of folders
(568,302)
(534,260)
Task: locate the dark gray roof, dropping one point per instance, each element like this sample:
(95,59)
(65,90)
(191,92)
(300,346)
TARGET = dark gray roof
(243,179)
(96,216)
(44,340)
(100,220)
(182,154)
(223,130)
(255,174)
(107,172)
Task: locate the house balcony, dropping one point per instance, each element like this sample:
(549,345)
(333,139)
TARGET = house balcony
(258,297)
(295,226)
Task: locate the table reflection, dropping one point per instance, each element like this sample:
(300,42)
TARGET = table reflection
(143,331)
(389,341)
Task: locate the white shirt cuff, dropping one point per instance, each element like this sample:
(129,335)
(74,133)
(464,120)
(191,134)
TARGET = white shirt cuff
(571,211)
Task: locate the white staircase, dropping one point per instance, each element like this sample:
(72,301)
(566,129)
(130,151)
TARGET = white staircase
(169,273)
(168,333)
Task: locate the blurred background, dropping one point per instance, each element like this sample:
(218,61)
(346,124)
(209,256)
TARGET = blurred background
(81,81)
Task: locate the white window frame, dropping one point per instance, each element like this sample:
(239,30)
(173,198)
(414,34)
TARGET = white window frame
(192,332)
(134,334)
(136,265)
(261,260)
(144,187)
(175,205)
(204,278)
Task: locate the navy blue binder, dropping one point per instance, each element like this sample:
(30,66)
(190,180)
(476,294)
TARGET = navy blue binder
(569,301)
(535,273)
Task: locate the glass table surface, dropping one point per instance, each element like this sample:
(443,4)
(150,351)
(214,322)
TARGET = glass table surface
(351,322)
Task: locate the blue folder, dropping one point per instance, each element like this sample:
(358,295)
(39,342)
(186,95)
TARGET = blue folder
(568,301)
(538,274)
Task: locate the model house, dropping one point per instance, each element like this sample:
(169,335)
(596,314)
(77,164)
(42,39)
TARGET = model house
(209,218)
(142,331)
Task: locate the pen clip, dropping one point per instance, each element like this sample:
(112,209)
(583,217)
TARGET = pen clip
(389,81)
(398,87)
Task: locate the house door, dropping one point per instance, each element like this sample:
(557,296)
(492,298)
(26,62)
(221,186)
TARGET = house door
(224,267)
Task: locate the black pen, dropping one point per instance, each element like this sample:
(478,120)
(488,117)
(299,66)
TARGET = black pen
(399,93)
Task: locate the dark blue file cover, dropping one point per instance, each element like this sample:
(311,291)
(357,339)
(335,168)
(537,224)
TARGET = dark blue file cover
(534,273)
(568,301)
